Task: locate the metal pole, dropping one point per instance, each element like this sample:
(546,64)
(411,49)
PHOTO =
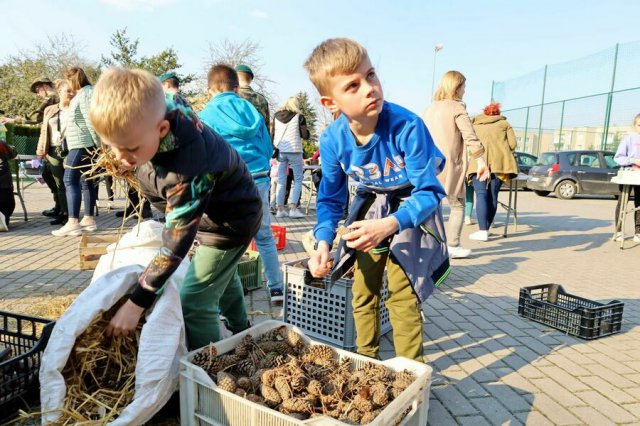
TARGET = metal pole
(607,116)
(561,124)
(544,88)
(526,129)
(493,82)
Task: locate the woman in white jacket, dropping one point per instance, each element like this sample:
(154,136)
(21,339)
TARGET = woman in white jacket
(289,128)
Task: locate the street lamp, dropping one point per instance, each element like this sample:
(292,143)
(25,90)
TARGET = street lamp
(438,47)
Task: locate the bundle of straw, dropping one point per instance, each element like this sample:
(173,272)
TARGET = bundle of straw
(100,373)
(104,163)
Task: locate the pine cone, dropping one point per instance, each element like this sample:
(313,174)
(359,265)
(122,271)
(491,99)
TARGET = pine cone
(273,360)
(244,383)
(271,335)
(240,392)
(319,354)
(299,416)
(299,383)
(226,382)
(228,360)
(404,379)
(297,405)
(281,384)
(369,417)
(379,395)
(281,348)
(395,392)
(378,372)
(344,366)
(243,349)
(362,403)
(246,367)
(255,398)
(270,395)
(292,338)
(256,379)
(314,387)
(353,415)
(268,377)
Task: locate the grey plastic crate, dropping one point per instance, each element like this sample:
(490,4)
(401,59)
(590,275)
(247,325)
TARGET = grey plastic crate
(323,314)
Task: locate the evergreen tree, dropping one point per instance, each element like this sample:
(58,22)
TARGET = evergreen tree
(310,115)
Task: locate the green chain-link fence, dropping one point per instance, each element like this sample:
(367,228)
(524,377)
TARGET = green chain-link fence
(587,103)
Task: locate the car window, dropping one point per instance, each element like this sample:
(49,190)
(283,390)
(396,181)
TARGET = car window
(547,159)
(610,162)
(527,160)
(589,160)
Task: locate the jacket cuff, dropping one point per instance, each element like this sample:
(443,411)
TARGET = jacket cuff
(479,153)
(142,297)
(325,235)
(404,219)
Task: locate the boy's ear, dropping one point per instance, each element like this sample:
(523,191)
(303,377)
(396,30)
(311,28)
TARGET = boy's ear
(164,128)
(212,94)
(329,104)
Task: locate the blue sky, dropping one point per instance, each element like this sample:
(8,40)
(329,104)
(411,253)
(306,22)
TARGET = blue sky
(489,40)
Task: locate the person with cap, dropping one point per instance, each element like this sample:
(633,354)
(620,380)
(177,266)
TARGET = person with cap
(170,83)
(43,87)
(245,91)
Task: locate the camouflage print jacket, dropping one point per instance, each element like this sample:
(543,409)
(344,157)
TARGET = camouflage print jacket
(258,100)
(38,114)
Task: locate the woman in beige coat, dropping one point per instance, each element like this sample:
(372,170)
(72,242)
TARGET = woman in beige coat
(49,146)
(499,141)
(452,131)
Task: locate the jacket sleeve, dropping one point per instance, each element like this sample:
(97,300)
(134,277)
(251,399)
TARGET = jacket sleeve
(186,203)
(43,143)
(511,138)
(471,141)
(622,153)
(332,194)
(265,148)
(422,162)
(304,131)
(83,107)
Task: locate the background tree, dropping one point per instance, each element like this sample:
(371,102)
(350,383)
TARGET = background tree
(245,52)
(309,112)
(49,59)
(125,54)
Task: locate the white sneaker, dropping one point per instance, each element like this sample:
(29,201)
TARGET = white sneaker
(88,226)
(479,236)
(296,213)
(467,220)
(282,213)
(68,230)
(458,252)
(636,238)
(3,224)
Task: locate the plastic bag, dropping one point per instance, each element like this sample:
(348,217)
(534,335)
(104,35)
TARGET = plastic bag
(162,341)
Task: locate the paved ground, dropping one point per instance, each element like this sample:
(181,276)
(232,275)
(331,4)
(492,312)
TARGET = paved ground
(490,365)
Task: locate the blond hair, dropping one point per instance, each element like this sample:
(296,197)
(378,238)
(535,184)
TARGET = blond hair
(77,78)
(122,97)
(291,104)
(333,57)
(449,84)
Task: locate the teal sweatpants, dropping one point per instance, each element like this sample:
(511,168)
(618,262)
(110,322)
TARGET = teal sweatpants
(212,286)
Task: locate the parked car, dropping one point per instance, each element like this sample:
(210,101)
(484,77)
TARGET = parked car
(568,173)
(525,161)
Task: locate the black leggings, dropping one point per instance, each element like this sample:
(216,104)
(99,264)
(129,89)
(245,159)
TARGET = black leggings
(7,203)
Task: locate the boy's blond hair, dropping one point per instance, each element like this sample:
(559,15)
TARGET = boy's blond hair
(332,57)
(449,84)
(122,97)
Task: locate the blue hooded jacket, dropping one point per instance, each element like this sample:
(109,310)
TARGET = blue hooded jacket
(240,124)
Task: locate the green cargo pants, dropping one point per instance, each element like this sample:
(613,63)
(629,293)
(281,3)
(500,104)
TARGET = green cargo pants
(404,311)
(212,286)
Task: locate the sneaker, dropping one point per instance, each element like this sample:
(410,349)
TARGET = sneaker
(467,220)
(53,212)
(60,220)
(296,213)
(276,294)
(88,226)
(282,213)
(636,238)
(458,252)
(479,236)
(3,224)
(68,230)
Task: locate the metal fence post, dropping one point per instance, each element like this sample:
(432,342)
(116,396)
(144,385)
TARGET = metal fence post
(493,82)
(544,88)
(607,115)
(526,129)
(561,123)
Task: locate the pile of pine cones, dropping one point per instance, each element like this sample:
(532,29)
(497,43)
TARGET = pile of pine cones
(279,371)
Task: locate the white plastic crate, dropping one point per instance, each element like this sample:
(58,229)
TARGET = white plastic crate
(323,314)
(203,403)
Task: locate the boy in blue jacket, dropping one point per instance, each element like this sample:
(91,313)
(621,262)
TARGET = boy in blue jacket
(395,221)
(238,121)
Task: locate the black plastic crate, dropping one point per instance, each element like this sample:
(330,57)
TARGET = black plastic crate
(549,304)
(25,337)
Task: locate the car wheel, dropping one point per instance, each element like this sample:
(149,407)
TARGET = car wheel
(566,190)
(542,193)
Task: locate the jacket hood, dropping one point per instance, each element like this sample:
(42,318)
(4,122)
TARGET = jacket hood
(234,115)
(487,119)
(284,116)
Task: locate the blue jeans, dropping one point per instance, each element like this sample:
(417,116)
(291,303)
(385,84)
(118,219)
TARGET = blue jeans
(266,243)
(77,162)
(486,200)
(295,162)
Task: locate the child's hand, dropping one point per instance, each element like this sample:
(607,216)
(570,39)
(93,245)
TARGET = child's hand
(365,235)
(483,171)
(125,320)
(319,262)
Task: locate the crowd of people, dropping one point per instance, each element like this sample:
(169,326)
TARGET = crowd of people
(212,175)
